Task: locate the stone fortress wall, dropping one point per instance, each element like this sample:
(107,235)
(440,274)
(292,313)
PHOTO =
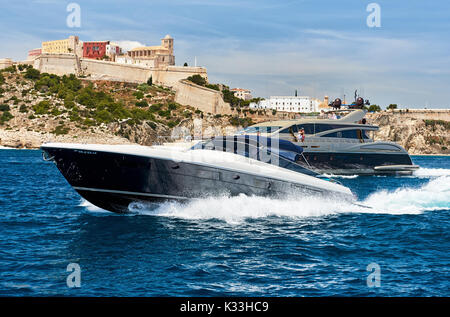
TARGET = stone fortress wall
(187,93)
(205,99)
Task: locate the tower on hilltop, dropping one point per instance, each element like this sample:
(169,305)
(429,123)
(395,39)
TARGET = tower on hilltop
(167,42)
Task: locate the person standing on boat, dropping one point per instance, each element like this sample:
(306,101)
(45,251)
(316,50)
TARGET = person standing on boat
(301,135)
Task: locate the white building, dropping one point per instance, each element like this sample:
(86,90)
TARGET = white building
(113,50)
(243,94)
(288,104)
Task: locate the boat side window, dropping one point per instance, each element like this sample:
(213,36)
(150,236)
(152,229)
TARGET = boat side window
(346,134)
(309,128)
(322,127)
(290,130)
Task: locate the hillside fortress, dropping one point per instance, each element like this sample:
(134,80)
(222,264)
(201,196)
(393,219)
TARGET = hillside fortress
(65,57)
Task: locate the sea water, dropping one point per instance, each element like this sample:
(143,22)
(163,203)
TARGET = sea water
(222,246)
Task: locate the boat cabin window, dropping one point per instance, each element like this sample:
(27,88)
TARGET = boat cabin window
(309,128)
(348,134)
(290,130)
(322,127)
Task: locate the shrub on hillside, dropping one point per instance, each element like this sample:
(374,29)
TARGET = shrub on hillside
(138,94)
(32,74)
(392,106)
(143,87)
(197,79)
(6,116)
(60,129)
(10,69)
(141,104)
(23,108)
(155,107)
(4,107)
(244,122)
(172,106)
(42,108)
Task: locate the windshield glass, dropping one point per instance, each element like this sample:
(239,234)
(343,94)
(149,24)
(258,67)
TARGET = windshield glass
(265,129)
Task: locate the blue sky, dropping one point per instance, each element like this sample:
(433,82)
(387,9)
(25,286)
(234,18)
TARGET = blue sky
(270,47)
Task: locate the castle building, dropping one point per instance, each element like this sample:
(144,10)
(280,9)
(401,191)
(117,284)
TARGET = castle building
(152,56)
(69,45)
(243,94)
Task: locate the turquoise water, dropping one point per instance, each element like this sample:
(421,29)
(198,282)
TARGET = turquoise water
(240,246)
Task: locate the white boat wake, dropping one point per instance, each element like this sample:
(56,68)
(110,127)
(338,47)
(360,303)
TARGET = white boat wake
(431,172)
(434,195)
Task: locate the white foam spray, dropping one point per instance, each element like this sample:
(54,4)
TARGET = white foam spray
(434,195)
(431,172)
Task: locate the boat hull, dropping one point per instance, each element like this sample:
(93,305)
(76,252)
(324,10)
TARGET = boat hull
(114,180)
(359,163)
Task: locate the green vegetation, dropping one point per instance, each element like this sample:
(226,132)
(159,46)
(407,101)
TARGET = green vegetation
(156,107)
(42,107)
(22,67)
(141,104)
(10,69)
(434,123)
(435,140)
(138,94)
(60,129)
(87,104)
(32,74)
(374,108)
(392,106)
(172,124)
(244,122)
(143,87)
(197,79)
(4,107)
(213,86)
(172,106)
(6,116)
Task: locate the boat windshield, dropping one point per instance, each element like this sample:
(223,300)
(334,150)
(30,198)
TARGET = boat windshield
(262,129)
(267,150)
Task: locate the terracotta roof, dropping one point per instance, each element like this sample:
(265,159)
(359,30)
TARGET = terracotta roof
(240,89)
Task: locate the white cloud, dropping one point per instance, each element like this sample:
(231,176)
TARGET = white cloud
(128,45)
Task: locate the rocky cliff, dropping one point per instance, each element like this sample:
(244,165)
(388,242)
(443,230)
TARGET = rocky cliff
(419,132)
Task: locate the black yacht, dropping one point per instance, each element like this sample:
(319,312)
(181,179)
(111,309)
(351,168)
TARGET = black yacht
(113,176)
